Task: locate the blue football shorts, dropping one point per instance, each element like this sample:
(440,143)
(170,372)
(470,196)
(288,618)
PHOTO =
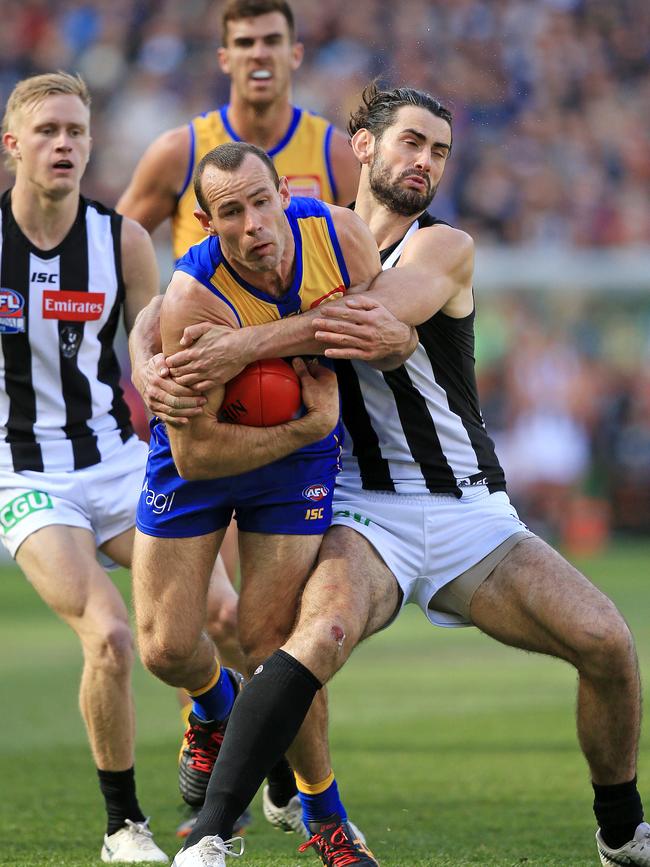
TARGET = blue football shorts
(292,496)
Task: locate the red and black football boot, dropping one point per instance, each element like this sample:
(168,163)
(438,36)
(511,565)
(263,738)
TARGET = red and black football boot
(201,744)
(337,845)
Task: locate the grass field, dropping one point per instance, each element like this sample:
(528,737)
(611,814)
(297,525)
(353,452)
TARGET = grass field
(449,749)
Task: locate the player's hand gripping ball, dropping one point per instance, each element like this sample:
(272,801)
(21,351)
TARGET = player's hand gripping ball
(264,394)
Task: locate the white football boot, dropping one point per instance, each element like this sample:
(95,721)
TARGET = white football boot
(635,851)
(287,818)
(208,852)
(132,844)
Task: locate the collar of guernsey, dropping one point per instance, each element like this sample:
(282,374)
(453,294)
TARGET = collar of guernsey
(320,272)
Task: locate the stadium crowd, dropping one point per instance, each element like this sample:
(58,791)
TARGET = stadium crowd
(565,392)
(550,99)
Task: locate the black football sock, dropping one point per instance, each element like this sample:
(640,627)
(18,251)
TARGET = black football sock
(264,722)
(618,812)
(282,783)
(118,789)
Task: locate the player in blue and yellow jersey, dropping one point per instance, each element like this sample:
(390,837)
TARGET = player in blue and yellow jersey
(259,53)
(267,257)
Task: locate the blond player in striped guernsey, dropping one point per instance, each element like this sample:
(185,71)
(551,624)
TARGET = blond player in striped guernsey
(70,465)
(259,53)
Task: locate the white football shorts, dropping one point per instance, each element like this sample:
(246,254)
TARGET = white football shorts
(430,540)
(101,498)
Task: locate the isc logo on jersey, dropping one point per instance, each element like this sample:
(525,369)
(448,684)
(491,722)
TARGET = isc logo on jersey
(12,305)
(315,492)
(43,277)
(73,306)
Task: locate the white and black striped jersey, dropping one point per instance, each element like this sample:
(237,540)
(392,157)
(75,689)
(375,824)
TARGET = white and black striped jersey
(61,405)
(418,428)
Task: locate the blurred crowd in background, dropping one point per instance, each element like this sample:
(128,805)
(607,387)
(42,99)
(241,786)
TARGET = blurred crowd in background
(551,104)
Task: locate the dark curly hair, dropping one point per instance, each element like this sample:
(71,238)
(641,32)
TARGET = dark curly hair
(379,108)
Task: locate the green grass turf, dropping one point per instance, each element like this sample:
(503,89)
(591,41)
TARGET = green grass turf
(449,749)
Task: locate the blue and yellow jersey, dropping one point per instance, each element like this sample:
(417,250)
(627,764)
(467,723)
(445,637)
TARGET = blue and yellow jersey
(292,495)
(303,156)
(320,272)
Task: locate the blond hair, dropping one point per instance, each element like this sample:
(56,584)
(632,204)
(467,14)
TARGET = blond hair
(33,90)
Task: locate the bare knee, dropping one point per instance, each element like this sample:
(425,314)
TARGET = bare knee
(221,623)
(261,632)
(324,642)
(168,660)
(110,648)
(258,644)
(166,663)
(606,650)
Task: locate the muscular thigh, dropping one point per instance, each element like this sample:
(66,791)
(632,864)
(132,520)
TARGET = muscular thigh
(170,583)
(274,569)
(534,599)
(60,563)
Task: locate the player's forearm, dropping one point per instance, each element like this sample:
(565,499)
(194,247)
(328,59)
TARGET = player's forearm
(432,272)
(229,450)
(293,335)
(407,297)
(144,339)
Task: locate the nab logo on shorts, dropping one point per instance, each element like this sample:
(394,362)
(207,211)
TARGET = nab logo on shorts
(315,492)
(12,305)
(73,306)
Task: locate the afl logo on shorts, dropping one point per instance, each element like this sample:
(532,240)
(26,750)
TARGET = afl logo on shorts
(315,492)
(11,312)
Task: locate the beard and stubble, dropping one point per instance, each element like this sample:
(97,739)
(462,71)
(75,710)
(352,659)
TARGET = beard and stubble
(401,200)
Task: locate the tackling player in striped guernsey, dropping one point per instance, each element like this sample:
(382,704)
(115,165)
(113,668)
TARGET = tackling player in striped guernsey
(431,526)
(70,465)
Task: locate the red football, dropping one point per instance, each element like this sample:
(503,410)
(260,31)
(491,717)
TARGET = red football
(264,394)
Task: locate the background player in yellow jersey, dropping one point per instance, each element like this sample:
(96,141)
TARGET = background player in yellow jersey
(259,53)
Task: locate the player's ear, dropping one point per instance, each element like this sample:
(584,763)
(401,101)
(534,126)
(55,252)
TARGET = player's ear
(223,60)
(297,54)
(363,145)
(284,193)
(10,145)
(205,221)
